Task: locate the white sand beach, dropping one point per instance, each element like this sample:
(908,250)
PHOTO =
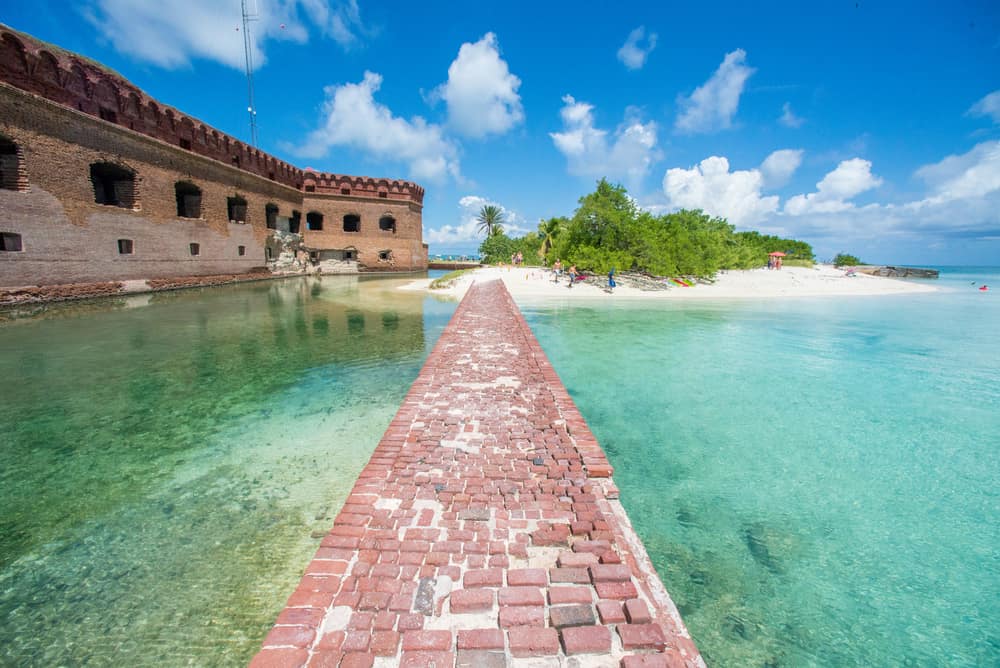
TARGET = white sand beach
(531,283)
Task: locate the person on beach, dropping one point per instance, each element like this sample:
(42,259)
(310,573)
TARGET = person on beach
(572,275)
(611,280)
(557,269)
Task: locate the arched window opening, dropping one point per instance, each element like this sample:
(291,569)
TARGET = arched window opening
(237,207)
(387,224)
(12,176)
(10,242)
(352,223)
(271,215)
(314,221)
(385,256)
(295,222)
(114,185)
(188,199)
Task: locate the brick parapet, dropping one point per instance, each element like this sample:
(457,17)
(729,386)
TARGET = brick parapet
(484,529)
(78,83)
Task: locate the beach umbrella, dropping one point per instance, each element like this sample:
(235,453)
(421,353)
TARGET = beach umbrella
(777,254)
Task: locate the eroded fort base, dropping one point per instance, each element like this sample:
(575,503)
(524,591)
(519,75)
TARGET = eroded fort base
(485,529)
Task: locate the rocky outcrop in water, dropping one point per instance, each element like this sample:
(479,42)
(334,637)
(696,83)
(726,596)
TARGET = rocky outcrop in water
(899,272)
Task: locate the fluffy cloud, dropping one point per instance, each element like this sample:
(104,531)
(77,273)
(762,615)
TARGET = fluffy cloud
(851,177)
(467,229)
(988,106)
(632,54)
(961,201)
(627,154)
(971,175)
(714,103)
(711,187)
(355,120)
(788,117)
(171,36)
(778,167)
(481,93)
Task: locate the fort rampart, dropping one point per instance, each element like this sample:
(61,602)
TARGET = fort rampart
(99,182)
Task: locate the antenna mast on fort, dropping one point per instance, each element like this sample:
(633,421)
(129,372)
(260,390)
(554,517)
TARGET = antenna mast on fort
(248,16)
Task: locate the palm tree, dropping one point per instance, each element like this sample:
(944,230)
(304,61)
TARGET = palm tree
(490,220)
(548,230)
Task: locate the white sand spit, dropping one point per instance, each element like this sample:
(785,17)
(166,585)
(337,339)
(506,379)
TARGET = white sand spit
(822,280)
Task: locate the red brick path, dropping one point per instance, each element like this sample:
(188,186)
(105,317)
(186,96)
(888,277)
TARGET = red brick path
(484,531)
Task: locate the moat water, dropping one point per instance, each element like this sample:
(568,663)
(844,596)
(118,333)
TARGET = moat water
(167,459)
(816,480)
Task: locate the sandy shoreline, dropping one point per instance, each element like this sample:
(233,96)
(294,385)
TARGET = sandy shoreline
(532,283)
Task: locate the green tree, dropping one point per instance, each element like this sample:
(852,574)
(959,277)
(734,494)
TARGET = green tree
(497,247)
(490,220)
(845,260)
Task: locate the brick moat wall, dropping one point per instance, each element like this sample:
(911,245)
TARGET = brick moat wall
(484,531)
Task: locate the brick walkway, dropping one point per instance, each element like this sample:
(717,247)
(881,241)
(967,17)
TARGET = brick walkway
(484,531)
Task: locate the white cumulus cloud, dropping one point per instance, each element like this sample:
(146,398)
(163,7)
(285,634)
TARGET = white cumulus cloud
(851,177)
(971,175)
(778,167)
(788,117)
(627,154)
(988,106)
(467,227)
(481,93)
(171,35)
(711,187)
(632,54)
(713,104)
(354,119)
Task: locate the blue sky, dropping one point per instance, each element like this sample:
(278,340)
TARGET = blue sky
(866,127)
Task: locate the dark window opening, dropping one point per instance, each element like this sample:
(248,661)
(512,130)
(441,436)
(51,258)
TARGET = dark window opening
(10,242)
(270,175)
(108,115)
(237,207)
(345,191)
(268,253)
(383,194)
(314,221)
(188,199)
(310,189)
(295,222)
(352,223)
(387,224)
(236,161)
(186,144)
(241,250)
(384,256)
(125,247)
(11,176)
(195,249)
(114,185)
(271,215)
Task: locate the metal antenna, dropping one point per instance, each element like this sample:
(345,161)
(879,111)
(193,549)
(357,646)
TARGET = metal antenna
(248,16)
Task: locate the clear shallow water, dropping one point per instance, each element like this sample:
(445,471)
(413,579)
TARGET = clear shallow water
(166,458)
(816,480)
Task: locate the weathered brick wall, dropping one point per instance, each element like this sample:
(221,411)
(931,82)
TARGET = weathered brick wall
(405,245)
(86,86)
(67,237)
(60,114)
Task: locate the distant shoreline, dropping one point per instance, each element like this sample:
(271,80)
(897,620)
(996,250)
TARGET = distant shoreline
(535,283)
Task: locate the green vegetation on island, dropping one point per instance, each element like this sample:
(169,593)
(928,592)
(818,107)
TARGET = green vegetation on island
(846,260)
(446,281)
(610,230)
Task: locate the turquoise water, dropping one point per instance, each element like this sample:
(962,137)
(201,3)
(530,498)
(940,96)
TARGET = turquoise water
(816,480)
(171,461)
